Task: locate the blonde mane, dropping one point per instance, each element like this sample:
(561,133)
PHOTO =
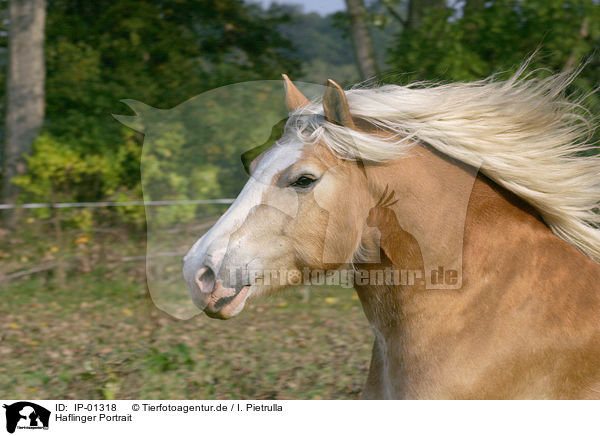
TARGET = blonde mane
(523,133)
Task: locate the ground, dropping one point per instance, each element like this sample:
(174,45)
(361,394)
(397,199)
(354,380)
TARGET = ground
(102,338)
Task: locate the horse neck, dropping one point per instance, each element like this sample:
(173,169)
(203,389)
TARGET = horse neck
(522,288)
(449,216)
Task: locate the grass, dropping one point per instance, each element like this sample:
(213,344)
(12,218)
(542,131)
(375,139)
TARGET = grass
(102,338)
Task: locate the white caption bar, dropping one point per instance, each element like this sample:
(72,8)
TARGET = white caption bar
(299,417)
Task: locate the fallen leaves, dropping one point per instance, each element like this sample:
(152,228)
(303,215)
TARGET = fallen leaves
(98,341)
(82,240)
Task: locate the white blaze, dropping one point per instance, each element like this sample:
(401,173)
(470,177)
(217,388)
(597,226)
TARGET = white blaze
(210,249)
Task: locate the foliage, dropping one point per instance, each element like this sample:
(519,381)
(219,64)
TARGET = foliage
(472,43)
(321,44)
(192,151)
(161,52)
(58,171)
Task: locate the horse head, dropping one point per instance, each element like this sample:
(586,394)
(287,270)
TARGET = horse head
(280,226)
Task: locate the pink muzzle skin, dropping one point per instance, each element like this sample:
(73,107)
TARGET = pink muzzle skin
(216,300)
(225,303)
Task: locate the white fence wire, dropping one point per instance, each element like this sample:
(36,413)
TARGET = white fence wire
(114,203)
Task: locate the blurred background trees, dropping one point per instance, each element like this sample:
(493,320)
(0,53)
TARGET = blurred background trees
(163,52)
(160,52)
(483,38)
(364,53)
(26,75)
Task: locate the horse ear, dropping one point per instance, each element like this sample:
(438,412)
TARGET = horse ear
(335,105)
(294,99)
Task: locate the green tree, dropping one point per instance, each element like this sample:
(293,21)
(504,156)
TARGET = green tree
(490,37)
(25,90)
(161,52)
(364,53)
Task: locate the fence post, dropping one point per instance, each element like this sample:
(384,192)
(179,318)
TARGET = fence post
(60,274)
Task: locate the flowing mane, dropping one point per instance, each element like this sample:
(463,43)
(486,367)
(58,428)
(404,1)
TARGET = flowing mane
(523,133)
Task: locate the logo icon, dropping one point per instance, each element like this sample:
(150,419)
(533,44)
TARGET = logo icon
(26,415)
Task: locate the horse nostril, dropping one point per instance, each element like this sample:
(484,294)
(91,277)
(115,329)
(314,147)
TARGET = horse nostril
(205,279)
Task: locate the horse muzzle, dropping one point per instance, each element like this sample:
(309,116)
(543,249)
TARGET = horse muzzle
(216,300)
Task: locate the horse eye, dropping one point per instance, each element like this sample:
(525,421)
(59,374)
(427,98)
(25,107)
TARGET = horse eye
(303,182)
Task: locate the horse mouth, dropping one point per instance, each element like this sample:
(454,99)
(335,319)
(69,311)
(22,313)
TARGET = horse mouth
(225,303)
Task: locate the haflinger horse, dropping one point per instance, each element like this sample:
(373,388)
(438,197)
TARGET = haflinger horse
(370,178)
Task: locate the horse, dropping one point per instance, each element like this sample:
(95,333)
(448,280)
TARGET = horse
(498,181)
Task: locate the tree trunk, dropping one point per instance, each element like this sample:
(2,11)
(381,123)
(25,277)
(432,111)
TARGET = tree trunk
(574,56)
(25,90)
(361,39)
